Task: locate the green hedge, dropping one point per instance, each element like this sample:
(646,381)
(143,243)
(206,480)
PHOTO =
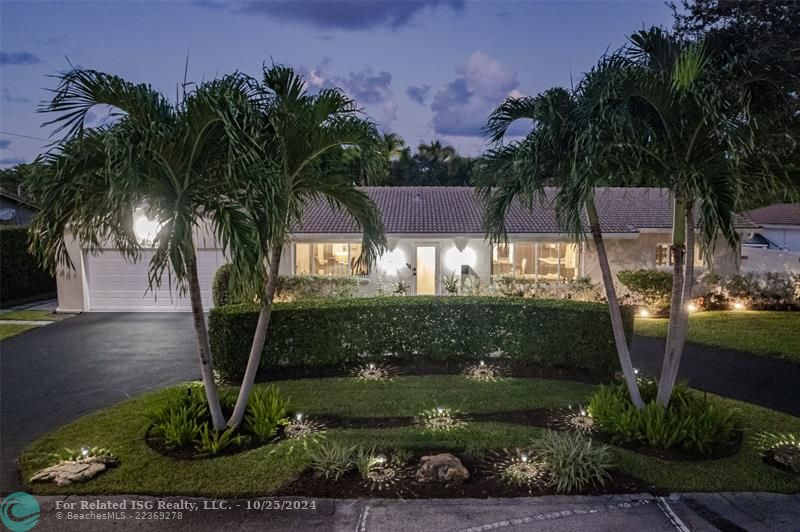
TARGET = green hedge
(331,332)
(21,279)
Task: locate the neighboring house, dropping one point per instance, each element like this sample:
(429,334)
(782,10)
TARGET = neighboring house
(14,209)
(431,232)
(774,245)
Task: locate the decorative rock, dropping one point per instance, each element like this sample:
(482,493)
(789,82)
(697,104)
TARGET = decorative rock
(441,468)
(787,456)
(68,472)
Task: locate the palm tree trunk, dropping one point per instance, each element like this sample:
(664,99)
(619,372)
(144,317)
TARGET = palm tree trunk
(678,320)
(613,306)
(203,347)
(688,275)
(259,338)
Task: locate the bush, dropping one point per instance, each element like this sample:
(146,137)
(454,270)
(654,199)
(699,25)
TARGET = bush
(690,422)
(331,460)
(221,286)
(266,411)
(178,423)
(652,288)
(212,442)
(573,461)
(21,279)
(345,331)
(580,289)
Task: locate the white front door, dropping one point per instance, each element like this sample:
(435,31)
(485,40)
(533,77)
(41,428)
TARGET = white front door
(426,269)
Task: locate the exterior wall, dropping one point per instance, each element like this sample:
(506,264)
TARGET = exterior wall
(770,260)
(784,236)
(22,213)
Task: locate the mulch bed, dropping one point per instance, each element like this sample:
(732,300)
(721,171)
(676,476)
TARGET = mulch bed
(423,367)
(482,484)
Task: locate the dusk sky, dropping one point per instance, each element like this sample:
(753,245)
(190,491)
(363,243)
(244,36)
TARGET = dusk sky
(423,69)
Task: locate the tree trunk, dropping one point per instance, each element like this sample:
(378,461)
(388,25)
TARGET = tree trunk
(259,338)
(203,347)
(613,306)
(688,274)
(678,313)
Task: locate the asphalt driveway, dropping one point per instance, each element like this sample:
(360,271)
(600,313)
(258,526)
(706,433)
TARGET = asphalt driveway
(55,374)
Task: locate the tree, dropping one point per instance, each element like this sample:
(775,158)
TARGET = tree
(297,154)
(677,119)
(551,152)
(170,161)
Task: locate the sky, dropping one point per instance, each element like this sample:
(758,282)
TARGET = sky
(425,69)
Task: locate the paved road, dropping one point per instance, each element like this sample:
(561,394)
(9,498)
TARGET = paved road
(697,512)
(57,373)
(769,382)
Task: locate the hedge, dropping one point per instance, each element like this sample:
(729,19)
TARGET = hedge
(21,279)
(344,331)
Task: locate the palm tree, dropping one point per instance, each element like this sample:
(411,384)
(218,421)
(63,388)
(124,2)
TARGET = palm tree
(518,171)
(392,145)
(297,156)
(435,151)
(168,160)
(682,123)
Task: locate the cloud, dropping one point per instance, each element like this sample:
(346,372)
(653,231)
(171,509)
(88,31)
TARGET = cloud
(348,15)
(418,93)
(11,161)
(18,58)
(10,98)
(462,107)
(4,144)
(366,87)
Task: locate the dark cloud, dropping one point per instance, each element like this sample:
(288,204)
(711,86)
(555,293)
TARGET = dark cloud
(462,107)
(418,93)
(349,15)
(11,161)
(18,58)
(10,98)
(4,144)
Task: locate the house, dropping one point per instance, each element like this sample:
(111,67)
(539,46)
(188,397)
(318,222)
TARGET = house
(774,243)
(14,209)
(431,232)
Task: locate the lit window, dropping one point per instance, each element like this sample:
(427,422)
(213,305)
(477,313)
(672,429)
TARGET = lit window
(664,255)
(336,259)
(544,260)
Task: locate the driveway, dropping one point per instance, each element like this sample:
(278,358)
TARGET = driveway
(52,375)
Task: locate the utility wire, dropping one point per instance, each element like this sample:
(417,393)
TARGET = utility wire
(24,136)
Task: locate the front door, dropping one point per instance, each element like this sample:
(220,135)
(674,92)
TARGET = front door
(426,270)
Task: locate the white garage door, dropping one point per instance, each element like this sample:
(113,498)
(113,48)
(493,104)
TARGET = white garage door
(116,285)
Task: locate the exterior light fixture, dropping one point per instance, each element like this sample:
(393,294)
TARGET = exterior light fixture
(439,410)
(523,457)
(84,451)
(635,371)
(738,306)
(298,417)
(644,313)
(380,459)
(145,228)
(392,262)
(691,307)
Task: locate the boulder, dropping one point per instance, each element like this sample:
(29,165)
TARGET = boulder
(441,468)
(71,471)
(788,456)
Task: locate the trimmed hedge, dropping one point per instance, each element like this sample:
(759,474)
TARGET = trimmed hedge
(332,332)
(21,279)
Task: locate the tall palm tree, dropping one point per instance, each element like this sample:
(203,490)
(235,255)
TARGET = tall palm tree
(518,171)
(435,151)
(296,157)
(685,125)
(392,145)
(169,160)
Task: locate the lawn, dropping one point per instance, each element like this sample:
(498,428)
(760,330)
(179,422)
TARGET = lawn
(267,469)
(759,332)
(32,315)
(7,330)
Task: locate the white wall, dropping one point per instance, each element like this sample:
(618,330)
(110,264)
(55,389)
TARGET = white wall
(770,260)
(785,236)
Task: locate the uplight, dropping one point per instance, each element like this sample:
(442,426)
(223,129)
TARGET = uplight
(298,417)
(644,313)
(738,306)
(691,307)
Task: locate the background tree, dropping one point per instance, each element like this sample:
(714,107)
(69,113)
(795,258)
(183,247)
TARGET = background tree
(169,160)
(297,154)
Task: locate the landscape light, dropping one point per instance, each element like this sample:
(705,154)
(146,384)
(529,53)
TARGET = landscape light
(691,307)
(84,451)
(738,306)
(298,417)
(582,411)
(439,410)
(380,459)
(482,363)
(523,457)
(635,371)
(644,313)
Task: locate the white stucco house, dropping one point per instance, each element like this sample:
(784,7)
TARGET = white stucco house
(774,243)
(431,232)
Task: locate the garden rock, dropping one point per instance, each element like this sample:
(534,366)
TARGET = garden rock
(69,471)
(788,456)
(441,468)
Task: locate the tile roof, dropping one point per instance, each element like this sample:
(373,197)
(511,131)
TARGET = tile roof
(421,210)
(775,214)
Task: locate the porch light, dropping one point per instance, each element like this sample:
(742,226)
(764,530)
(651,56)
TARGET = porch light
(392,262)
(144,228)
(455,258)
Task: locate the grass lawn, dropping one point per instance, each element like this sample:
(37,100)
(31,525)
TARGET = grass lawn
(265,470)
(7,330)
(32,315)
(759,332)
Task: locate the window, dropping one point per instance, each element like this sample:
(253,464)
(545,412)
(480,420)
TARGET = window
(544,260)
(664,255)
(337,259)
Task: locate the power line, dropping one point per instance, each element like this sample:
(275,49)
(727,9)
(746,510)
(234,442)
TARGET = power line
(24,136)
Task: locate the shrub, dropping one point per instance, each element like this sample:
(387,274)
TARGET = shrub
(579,289)
(331,460)
(221,286)
(450,284)
(364,458)
(690,422)
(178,423)
(21,279)
(304,287)
(266,411)
(334,332)
(212,442)
(573,461)
(652,288)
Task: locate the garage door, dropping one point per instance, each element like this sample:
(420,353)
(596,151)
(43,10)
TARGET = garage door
(116,285)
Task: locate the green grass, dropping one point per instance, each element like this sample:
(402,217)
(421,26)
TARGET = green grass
(265,470)
(7,330)
(759,332)
(31,315)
